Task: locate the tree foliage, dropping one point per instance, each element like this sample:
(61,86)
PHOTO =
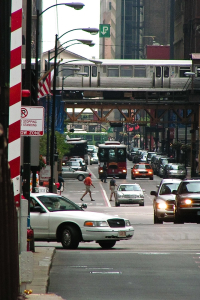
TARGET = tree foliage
(62,147)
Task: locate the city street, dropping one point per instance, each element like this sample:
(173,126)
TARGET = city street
(161,261)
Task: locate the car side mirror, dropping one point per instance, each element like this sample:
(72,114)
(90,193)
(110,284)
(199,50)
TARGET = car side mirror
(153,193)
(38,209)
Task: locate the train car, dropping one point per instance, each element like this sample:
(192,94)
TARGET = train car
(132,75)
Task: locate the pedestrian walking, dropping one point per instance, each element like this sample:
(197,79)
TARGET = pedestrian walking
(112,187)
(88,183)
(104,178)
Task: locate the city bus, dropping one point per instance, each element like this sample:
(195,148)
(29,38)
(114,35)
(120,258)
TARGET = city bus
(79,149)
(114,155)
(93,138)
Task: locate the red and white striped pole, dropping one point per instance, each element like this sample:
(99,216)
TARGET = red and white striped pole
(14,140)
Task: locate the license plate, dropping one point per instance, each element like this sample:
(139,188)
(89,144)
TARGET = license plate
(122,233)
(198,213)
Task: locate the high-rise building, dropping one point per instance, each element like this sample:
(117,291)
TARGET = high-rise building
(134,24)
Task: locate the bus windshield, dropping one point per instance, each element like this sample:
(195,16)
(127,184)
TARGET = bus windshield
(112,154)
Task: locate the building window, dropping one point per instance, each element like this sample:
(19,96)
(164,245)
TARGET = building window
(109,5)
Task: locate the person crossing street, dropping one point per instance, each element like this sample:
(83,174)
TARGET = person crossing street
(88,183)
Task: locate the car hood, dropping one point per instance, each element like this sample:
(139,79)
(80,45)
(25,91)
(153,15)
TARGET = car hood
(168,197)
(84,215)
(190,195)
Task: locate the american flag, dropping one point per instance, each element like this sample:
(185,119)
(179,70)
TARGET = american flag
(44,84)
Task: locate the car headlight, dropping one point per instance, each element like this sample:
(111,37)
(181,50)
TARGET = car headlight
(141,196)
(96,224)
(186,202)
(101,171)
(119,195)
(124,171)
(127,223)
(162,205)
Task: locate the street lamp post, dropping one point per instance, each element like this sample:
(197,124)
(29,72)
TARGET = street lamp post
(91,31)
(77,6)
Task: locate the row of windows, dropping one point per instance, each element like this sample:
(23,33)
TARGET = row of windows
(130,71)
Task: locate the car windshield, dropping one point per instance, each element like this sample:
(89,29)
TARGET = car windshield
(57,203)
(142,166)
(176,167)
(164,161)
(167,188)
(129,188)
(190,187)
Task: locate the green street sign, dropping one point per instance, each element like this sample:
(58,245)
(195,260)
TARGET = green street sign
(104,30)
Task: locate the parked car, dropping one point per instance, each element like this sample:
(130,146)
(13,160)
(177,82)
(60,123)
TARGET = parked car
(142,170)
(160,164)
(164,200)
(129,194)
(154,161)
(187,201)
(56,218)
(81,161)
(175,170)
(149,156)
(68,172)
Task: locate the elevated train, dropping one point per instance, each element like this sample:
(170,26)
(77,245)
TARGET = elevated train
(131,75)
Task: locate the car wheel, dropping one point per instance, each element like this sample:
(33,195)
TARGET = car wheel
(117,203)
(70,237)
(141,204)
(178,219)
(81,177)
(151,178)
(156,220)
(107,244)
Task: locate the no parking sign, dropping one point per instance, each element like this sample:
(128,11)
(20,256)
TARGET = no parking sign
(32,120)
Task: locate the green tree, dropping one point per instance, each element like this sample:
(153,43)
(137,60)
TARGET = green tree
(62,147)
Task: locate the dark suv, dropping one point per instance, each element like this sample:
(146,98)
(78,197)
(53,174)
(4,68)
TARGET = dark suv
(187,201)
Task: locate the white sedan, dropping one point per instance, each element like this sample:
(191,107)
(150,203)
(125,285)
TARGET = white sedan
(56,218)
(129,194)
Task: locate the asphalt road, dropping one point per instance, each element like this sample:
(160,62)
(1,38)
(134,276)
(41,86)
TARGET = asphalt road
(162,261)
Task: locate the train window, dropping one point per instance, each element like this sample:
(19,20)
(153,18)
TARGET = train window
(126,71)
(86,70)
(198,71)
(158,71)
(68,72)
(113,71)
(140,71)
(94,71)
(166,72)
(182,71)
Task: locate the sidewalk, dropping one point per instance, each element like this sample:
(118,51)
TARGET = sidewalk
(42,258)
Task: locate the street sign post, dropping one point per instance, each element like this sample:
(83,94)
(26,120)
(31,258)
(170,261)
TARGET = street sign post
(32,120)
(104,30)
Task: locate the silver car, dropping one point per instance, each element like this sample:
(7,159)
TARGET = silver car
(94,159)
(164,200)
(129,194)
(175,170)
(56,218)
(68,172)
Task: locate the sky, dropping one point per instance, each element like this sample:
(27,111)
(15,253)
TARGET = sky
(68,19)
